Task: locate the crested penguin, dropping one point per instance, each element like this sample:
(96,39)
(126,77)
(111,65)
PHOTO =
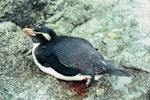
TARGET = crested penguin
(68,58)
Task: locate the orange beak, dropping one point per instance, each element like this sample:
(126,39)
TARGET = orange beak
(28,31)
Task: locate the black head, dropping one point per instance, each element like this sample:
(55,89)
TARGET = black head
(40,35)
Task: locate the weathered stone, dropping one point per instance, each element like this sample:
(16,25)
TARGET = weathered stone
(21,79)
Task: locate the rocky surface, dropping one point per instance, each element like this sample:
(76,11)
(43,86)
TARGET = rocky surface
(120,29)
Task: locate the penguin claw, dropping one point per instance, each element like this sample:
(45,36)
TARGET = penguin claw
(89,81)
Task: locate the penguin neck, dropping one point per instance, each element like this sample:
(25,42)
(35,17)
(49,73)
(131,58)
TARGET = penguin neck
(35,45)
(43,43)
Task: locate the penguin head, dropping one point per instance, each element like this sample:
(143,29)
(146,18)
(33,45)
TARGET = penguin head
(40,35)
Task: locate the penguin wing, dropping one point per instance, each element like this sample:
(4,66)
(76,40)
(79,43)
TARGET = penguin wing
(76,53)
(52,61)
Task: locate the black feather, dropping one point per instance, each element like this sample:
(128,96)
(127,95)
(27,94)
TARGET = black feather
(74,54)
(52,61)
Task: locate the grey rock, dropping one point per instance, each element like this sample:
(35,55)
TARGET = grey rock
(128,48)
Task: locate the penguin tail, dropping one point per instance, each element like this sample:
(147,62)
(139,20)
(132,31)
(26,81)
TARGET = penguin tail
(112,71)
(119,72)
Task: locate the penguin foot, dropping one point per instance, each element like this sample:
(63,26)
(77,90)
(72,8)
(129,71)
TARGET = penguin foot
(89,81)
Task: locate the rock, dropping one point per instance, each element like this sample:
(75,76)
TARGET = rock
(93,20)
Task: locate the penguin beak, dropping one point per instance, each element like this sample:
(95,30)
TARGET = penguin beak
(30,31)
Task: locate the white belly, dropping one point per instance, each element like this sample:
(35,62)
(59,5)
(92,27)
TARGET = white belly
(52,72)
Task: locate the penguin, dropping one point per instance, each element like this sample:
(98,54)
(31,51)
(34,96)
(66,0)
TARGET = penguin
(69,58)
